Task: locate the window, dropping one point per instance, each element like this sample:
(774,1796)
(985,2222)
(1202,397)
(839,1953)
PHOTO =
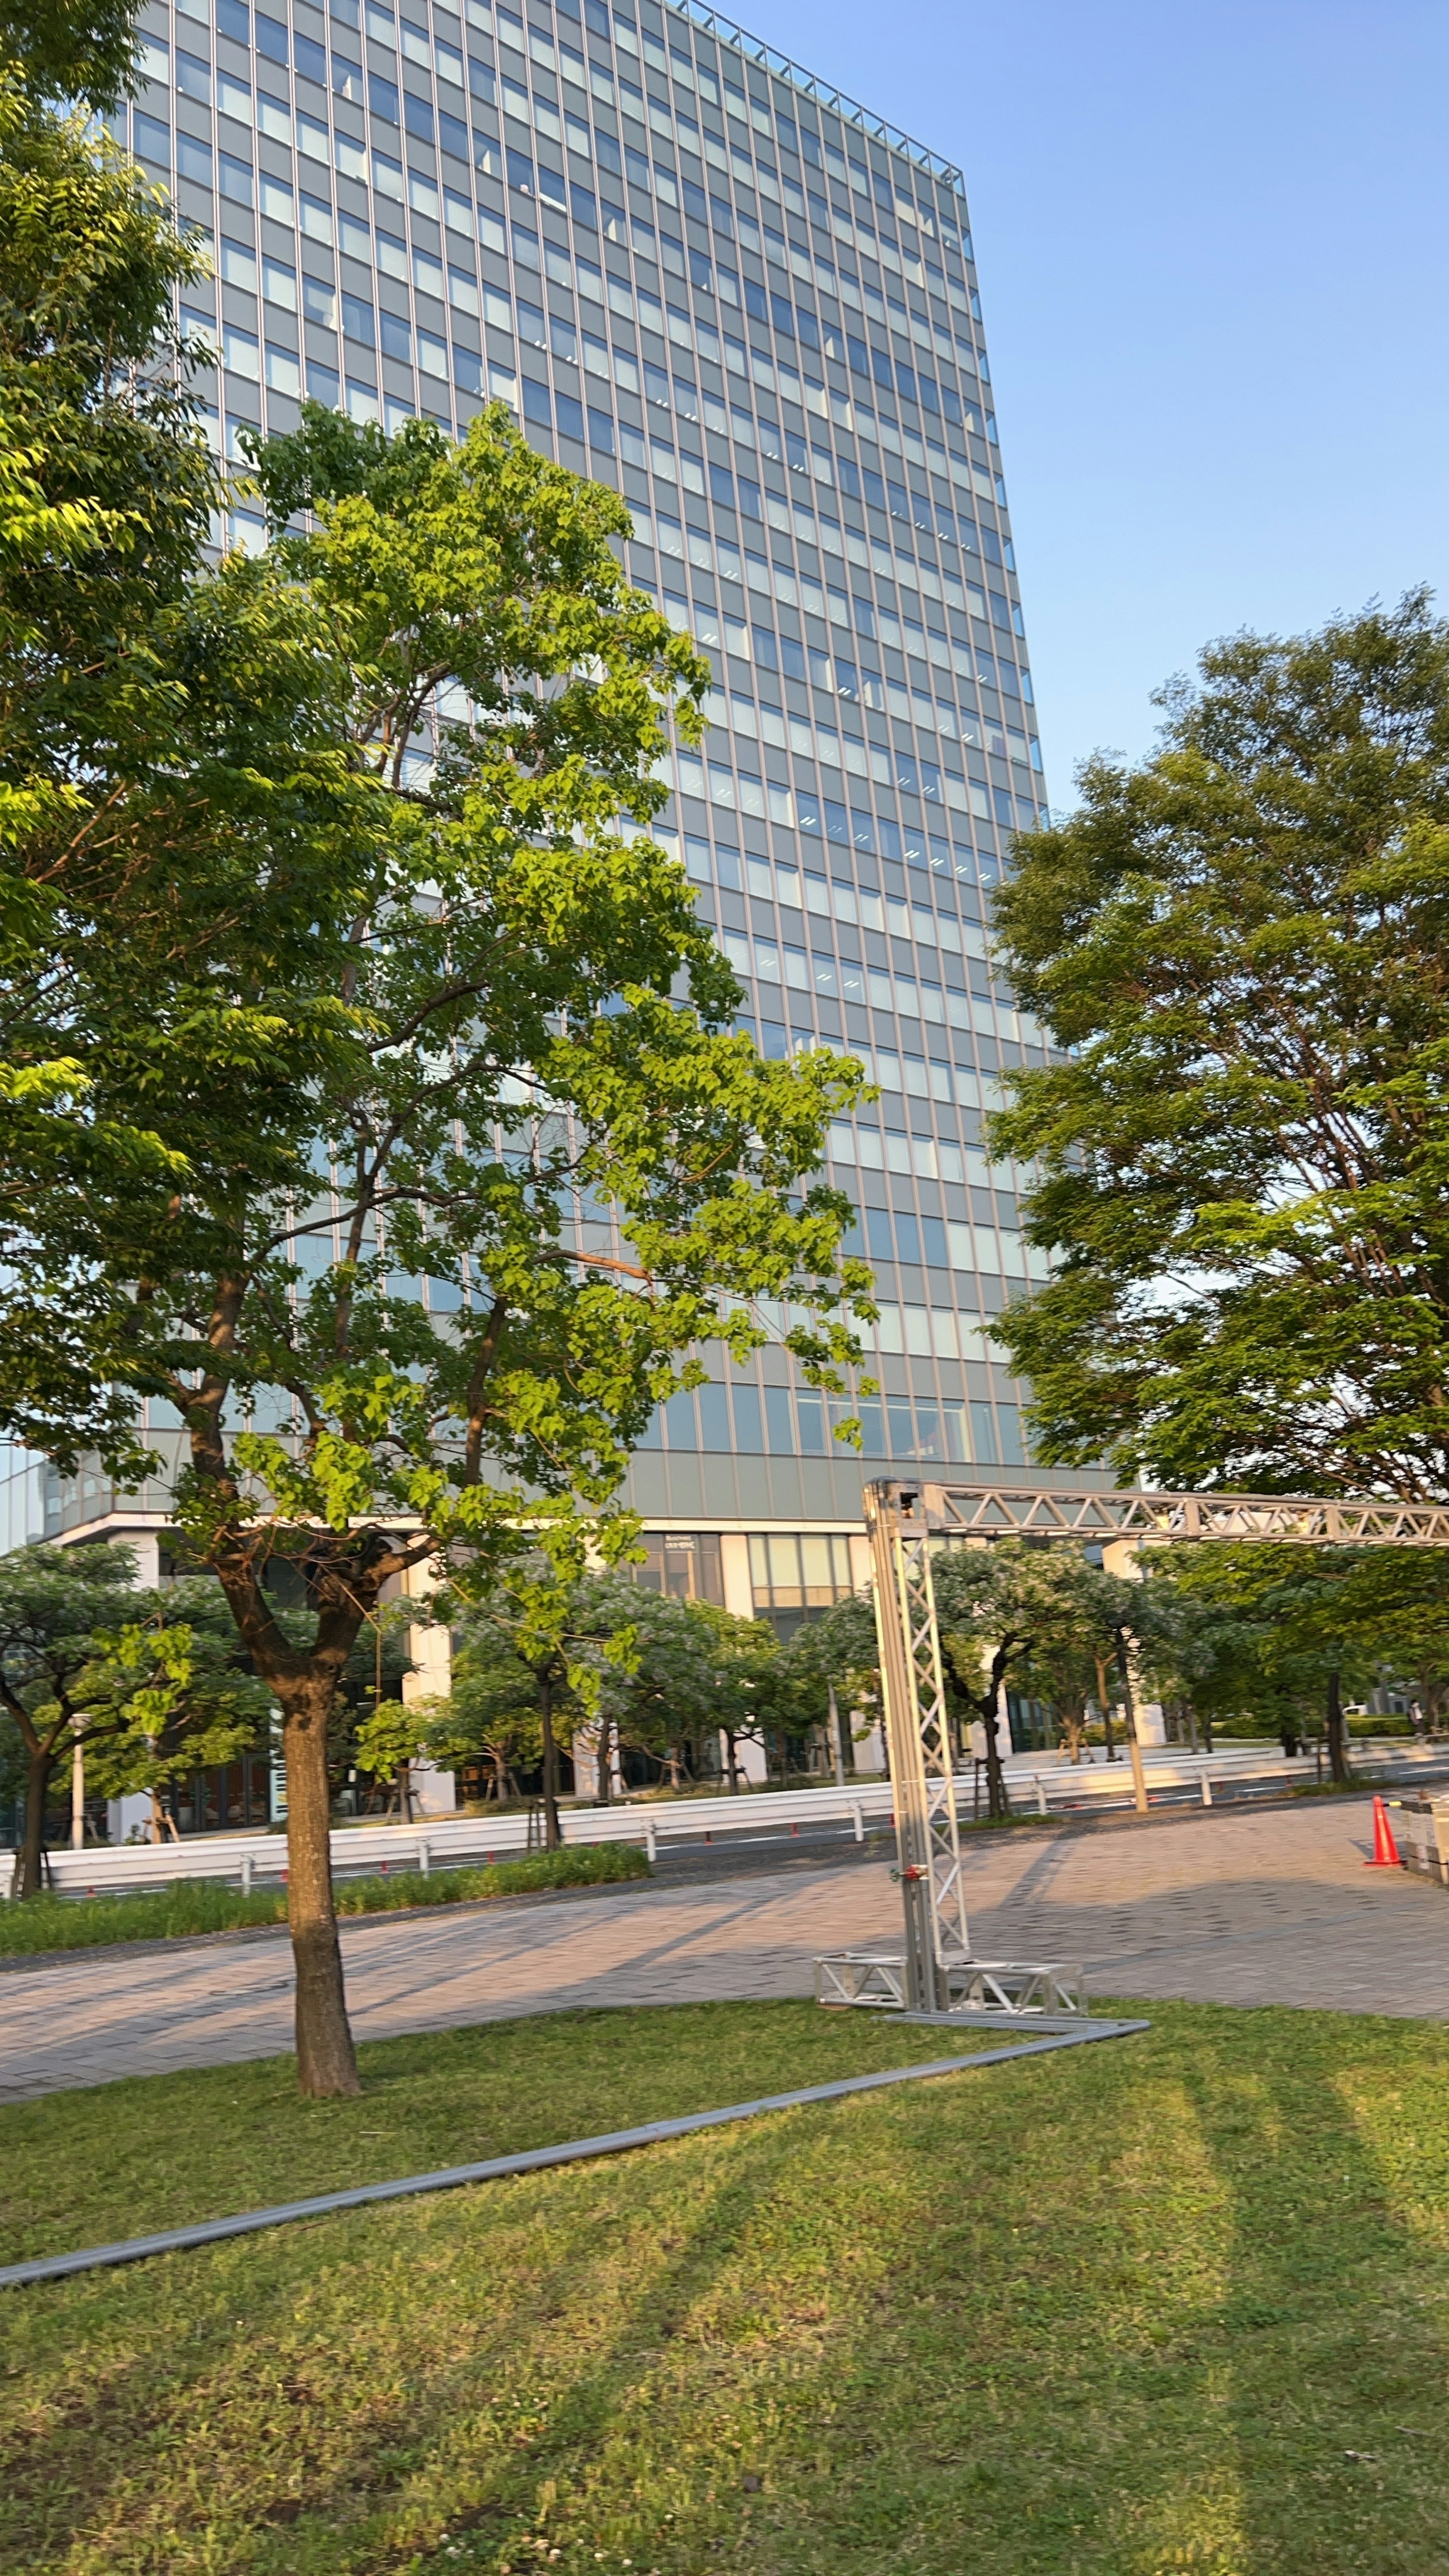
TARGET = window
(241,352)
(319,301)
(193,159)
(279,284)
(358,320)
(397,336)
(238,264)
(789,1572)
(690,1568)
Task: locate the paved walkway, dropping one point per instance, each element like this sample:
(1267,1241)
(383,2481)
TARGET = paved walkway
(1241,1909)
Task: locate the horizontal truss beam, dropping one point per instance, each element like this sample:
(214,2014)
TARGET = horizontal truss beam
(987,1510)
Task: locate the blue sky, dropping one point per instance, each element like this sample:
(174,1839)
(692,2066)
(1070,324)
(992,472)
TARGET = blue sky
(1213,243)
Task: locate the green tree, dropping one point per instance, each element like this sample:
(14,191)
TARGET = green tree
(491,1713)
(528,1023)
(669,1677)
(832,1664)
(169,1692)
(61,50)
(54,1604)
(152,1682)
(1242,943)
(1041,1619)
(517,1647)
(642,1662)
(743,1661)
(1398,1600)
(176,801)
(395,1734)
(1290,1633)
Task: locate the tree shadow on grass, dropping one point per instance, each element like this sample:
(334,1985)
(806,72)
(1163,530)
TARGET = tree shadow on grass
(1113,2313)
(1209,2339)
(1331,2340)
(1133,2319)
(344,2395)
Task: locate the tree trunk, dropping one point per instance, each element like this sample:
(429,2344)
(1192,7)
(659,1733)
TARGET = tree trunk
(837,1740)
(32,1850)
(1337,1749)
(732,1768)
(1129,1720)
(552,1830)
(1104,1702)
(605,1759)
(77,1786)
(326,2060)
(996,1800)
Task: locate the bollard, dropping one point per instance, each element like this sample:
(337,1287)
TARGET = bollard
(1041,1797)
(858,1820)
(1207,1790)
(424,1857)
(651,1840)
(246,1873)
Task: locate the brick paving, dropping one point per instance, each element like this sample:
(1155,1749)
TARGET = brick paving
(1271,1907)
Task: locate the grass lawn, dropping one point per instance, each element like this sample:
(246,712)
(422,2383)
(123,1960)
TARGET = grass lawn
(1178,2302)
(192,1905)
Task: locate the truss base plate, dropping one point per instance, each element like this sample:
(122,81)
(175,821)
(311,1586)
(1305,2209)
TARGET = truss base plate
(991,1992)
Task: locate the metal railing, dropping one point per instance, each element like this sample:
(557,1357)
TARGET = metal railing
(1039,1784)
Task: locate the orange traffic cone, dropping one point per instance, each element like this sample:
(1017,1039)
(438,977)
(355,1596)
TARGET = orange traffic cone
(1386,1850)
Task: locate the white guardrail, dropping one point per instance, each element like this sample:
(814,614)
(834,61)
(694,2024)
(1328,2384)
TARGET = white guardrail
(1038,1784)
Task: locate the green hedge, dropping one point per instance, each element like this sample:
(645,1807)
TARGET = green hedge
(195,1905)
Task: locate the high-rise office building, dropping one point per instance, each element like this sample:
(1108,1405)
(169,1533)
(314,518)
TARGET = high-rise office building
(702,276)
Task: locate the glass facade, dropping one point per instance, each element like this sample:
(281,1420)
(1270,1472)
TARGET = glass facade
(702,277)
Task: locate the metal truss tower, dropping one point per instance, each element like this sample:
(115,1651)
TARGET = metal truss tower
(937,1972)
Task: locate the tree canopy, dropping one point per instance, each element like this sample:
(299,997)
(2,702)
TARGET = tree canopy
(375,1115)
(180,822)
(500,1165)
(154,1682)
(1241,943)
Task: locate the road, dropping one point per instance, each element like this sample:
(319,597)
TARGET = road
(1244,1907)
